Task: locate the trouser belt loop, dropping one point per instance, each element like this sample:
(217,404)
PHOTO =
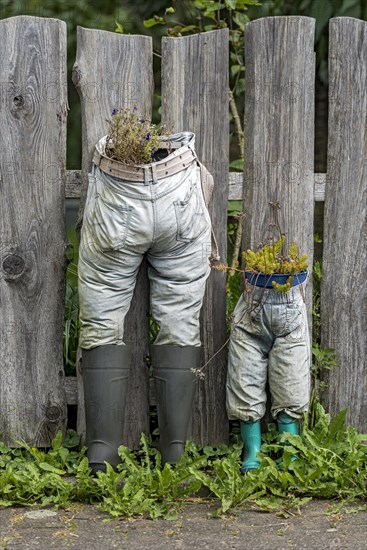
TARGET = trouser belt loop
(154,172)
(146,175)
(97,158)
(193,153)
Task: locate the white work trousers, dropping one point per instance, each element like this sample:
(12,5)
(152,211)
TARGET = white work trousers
(166,220)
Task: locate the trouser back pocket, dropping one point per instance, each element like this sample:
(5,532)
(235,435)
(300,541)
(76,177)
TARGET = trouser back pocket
(190,215)
(110,221)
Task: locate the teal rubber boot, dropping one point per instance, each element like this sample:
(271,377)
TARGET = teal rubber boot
(251,437)
(287,424)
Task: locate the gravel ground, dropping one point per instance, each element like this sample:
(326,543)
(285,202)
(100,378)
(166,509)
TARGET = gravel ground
(82,527)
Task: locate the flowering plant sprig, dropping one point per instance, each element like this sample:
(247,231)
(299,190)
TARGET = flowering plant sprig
(132,139)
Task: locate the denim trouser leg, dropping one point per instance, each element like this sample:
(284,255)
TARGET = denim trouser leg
(247,367)
(269,340)
(289,370)
(103,300)
(177,286)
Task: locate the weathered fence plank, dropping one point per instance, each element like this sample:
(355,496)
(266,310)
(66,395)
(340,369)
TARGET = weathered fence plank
(279,130)
(344,289)
(114,70)
(195,98)
(235,181)
(32,229)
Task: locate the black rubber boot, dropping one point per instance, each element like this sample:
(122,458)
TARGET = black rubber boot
(105,372)
(175,391)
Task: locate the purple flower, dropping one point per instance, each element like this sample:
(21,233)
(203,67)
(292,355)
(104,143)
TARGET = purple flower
(141,120)
(115,111)
(147,136)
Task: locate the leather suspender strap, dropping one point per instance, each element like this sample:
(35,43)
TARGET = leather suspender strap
(207,186)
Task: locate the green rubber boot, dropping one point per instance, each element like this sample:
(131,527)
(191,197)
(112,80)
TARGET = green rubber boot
(175,386)
(105,372)
(251,437)
(287,424)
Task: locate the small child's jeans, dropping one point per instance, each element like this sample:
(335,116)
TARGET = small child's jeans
(269,341)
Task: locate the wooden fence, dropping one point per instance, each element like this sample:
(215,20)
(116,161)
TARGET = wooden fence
(113,70)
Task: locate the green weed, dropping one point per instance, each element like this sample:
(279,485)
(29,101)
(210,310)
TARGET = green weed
(331,462)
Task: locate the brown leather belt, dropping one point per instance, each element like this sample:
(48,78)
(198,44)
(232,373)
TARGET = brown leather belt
(179,160)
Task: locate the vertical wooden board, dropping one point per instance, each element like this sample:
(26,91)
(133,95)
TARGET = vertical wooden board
(195,98)
(33,112)
(344,289)
(113,70)
(279,131)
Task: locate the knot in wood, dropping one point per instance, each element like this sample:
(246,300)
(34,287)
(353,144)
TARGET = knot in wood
(13,265)
(53,413)
(76,76)
(18,101)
